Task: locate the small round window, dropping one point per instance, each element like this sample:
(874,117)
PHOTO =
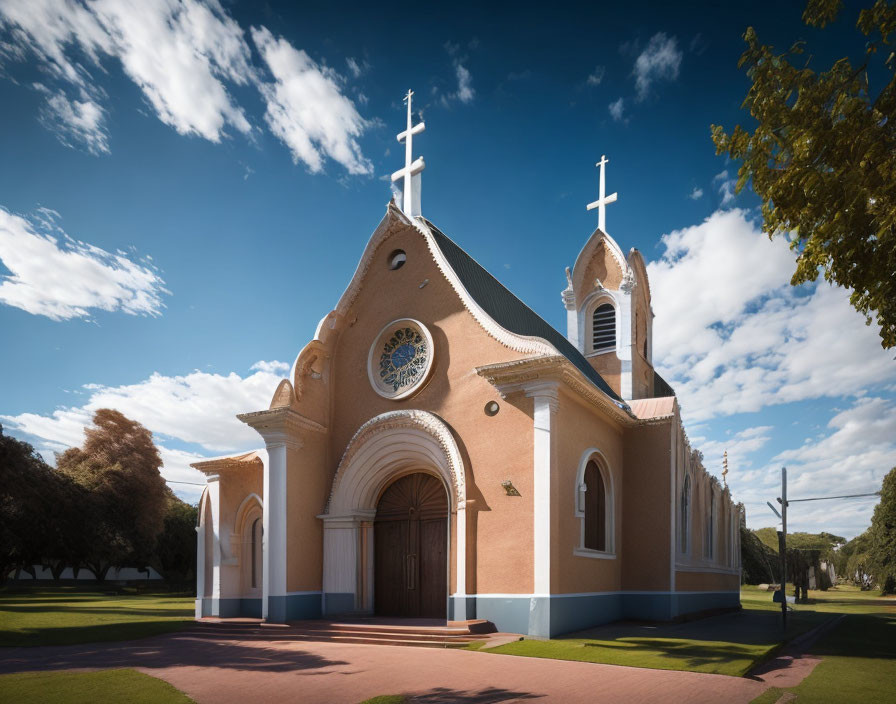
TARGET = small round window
(492,408)
(397,259)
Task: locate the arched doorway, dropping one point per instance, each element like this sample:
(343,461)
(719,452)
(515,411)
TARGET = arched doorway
(411,545)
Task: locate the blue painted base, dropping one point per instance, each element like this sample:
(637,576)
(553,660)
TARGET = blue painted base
(292,607)
(545,617)
(338,603)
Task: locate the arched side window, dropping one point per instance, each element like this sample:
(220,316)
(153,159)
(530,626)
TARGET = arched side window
(594,507)
(603,328)
(686,514)
(256,552)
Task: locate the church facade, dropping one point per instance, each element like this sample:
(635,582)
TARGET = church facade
(438,450)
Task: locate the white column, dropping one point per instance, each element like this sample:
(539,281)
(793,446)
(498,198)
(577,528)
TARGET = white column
(461,551)
(274,540)
(624,341)
(214,505)
(545,399)
(200,566)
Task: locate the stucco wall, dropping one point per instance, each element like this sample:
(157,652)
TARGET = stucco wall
(580,428)
(494,449)
(706,582)
(647,511)
(307,489)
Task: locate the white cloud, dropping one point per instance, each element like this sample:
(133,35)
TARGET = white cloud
(732,335)
(660,60)
(851,457)
(696,194)
(77,122)
(70,279)
(353,67)
(596,76)
(725,186)
(280,368)
(617,109)
(198,408)
(306,109)
(184,55)
(465,91)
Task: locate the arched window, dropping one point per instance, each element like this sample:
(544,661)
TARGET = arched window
(256,545)
(686,514)
(594,507)
(711,528)
(603,328)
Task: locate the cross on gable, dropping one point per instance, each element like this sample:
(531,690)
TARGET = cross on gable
(410,174)
(604,200)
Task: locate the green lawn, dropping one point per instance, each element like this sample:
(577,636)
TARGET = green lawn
(729,644)
(67,616)
(88,688)
(858,660)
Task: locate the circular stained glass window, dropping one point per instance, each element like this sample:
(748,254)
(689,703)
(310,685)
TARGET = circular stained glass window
(400,358)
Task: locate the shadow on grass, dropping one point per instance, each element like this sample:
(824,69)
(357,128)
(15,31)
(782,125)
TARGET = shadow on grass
(693,654)
(100,610)
(72,635)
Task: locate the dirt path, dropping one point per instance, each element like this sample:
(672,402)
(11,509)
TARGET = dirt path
(223,670)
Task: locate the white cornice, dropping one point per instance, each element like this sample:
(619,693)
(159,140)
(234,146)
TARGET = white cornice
(529,376)
(281,426)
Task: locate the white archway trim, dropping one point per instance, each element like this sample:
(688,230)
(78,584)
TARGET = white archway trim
(579,503)
(388,445)
(244,508)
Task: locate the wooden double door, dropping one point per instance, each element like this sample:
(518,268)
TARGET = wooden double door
(411,549)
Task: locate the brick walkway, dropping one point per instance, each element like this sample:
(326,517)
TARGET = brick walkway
(221,670)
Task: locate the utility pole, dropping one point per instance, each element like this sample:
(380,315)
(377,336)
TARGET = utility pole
(782,546)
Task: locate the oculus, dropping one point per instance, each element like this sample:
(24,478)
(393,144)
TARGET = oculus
(400,359)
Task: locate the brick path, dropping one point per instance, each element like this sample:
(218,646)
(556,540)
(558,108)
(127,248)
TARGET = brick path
(221,670)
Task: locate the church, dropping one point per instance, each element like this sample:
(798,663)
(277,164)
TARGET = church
(440,451)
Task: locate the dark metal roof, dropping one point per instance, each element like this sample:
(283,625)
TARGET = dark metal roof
(509,311)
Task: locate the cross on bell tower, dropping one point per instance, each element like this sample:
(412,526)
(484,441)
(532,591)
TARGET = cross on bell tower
(410,174)
(604,200)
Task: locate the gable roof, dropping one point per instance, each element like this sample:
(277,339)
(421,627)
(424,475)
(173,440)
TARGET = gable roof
(509,311)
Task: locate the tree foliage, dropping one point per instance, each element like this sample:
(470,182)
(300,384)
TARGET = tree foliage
(759,563)
(882,549)
(175,555)
(119,467)
(822,158)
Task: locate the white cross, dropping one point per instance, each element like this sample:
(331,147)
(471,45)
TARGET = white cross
(410,173)
(602,202)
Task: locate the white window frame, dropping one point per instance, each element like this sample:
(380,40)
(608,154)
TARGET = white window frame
(588,309)
(606,474)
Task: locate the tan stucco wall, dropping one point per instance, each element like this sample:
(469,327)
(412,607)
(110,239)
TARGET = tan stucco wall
(236,485)
(580,428)
(647,511)
(706,581)
(609,366)
(499,555)
(306,488)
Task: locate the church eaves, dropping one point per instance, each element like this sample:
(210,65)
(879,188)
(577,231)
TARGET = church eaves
(509,311)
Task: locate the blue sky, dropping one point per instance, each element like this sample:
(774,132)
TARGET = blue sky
(186,189)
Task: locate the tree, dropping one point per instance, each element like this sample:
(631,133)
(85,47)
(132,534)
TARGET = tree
(176,544)
(119,467)
(882,550)
(39,511)
(823,159)
(857,567)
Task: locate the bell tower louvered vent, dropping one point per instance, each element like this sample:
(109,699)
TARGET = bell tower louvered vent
(603,328)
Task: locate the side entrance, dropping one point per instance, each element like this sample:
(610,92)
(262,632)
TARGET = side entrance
(411,545)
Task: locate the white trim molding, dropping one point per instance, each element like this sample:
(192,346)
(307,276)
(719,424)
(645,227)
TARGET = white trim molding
(606,473)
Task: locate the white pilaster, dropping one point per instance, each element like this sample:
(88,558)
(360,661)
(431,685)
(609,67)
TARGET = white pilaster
(624,335)
(200,567)
(461,550)
(273,554)
(545,397)
(214,505)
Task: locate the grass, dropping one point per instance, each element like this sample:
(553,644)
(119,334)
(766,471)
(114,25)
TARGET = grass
(66,616)
(88,688)
(387,699)
(858,660)
(729,644)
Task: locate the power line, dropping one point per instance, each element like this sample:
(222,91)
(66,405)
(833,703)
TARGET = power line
(171,481)
(825,498)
